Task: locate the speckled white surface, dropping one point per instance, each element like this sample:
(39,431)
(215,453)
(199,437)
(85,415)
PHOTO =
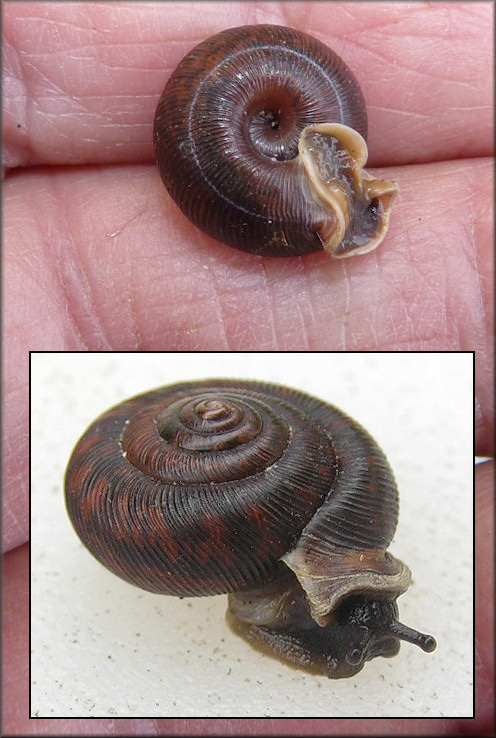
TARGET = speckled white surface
(101,647)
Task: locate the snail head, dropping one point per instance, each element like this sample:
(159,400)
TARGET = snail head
(364,628)
(362,625)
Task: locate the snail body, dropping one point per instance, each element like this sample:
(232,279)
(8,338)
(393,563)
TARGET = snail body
(259,137)
(258,491)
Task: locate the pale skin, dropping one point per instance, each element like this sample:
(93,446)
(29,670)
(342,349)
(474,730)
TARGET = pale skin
(97,256)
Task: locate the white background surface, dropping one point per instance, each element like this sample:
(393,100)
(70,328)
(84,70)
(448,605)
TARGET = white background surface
(101,647)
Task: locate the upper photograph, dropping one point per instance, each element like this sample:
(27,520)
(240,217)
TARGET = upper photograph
(242,176)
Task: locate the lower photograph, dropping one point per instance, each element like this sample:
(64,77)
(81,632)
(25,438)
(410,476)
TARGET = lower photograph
(252,535)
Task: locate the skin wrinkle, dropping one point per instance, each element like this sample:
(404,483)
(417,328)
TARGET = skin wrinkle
(309,308)
(203,324)
(27,264)
(376,301)
(472,108)
(301,321)
(216,292)
(270,302)
(14,520)
(53,89)
(390,27)
(347,300)
(287,305)
(418,77)
(384,39)
(423,309)
(469,251)
(74,270)
(52,86)
(309,313)
(20,141)
(407,319)
(409,113)
(134,313)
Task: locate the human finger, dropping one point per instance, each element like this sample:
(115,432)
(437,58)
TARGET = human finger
(81,80)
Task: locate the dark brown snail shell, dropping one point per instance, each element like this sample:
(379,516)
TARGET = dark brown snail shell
(259,491)
(260,139)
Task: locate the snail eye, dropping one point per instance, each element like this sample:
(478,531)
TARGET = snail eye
(355,656)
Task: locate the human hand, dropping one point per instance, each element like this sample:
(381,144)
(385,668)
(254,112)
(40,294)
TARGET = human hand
(97,256)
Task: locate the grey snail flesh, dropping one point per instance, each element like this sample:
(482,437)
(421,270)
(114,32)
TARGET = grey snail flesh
(259,137)
(259,491)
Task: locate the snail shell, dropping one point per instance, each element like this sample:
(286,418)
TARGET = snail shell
(260,139)
(259,491)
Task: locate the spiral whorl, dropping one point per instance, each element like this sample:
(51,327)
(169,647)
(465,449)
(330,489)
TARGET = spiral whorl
(200,487)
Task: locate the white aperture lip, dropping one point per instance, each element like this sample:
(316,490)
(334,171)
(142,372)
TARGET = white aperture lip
(333,156)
